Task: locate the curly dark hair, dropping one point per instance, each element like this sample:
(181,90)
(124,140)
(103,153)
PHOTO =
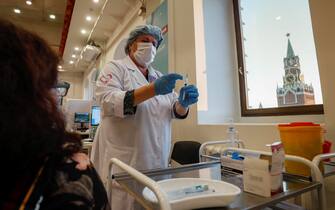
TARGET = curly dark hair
(31,125)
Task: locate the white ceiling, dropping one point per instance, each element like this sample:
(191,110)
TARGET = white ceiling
(107,15)
(36,17)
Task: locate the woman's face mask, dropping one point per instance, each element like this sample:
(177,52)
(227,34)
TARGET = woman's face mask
(145,53)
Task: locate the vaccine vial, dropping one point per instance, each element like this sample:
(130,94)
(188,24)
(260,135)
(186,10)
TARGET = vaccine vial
(232,134)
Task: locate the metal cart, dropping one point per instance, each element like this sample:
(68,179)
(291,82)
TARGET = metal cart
(329,167)
(133,181)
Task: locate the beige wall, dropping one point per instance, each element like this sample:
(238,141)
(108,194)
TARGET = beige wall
(323,17)
(76,81)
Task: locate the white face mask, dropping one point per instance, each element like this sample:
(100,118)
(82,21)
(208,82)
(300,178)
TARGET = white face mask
(145,53)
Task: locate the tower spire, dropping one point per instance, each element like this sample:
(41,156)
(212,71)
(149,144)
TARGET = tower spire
(290,52)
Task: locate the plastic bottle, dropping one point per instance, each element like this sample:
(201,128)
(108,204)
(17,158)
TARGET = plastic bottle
(232,134)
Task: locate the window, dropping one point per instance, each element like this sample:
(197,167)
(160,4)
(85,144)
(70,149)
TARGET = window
(215,62)
(277,64)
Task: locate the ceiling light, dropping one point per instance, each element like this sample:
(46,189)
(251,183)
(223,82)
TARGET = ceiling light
(83,31)
(52,16)
(71,62)
(73,56)
(88,18)
(59,67)
(17,11)
(278,17)
(29,2)
(143,10)
(76,48)
(96,1)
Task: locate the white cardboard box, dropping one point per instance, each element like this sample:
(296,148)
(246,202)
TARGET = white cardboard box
(256,177)
(264,177)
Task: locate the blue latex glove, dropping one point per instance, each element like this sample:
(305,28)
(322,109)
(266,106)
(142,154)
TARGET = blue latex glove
(166,83)
(188,95)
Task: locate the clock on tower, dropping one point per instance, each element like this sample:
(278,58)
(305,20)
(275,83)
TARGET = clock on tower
(290,78)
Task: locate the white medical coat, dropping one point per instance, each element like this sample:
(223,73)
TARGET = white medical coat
(142,140)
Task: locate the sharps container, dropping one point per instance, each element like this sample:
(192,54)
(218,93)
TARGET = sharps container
(302,139)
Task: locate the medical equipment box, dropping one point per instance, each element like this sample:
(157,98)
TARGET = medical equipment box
(264,176)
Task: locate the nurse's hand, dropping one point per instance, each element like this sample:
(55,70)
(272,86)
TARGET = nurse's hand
(166,83)
(188,95)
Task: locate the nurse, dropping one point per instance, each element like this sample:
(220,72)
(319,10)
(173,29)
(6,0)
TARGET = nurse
(138,104)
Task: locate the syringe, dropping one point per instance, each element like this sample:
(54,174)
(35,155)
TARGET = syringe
(189,191)
(185,84)
(186,80)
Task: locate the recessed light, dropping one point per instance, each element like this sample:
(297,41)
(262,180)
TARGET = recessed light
(29,2)
(59,66)
(88,18)
(96,1)
(83,31)
(73,56)
(17,11)
(76,48)
(52,16)
(71,62)
(278,17)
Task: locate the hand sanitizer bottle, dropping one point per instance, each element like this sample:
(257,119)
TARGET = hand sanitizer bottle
(232,134)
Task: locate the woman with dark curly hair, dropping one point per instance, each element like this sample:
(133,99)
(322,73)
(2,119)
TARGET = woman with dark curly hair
(41,163)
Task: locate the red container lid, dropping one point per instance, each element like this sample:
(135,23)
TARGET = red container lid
(296,124)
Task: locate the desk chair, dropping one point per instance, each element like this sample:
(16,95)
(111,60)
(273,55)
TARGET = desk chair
(186,152)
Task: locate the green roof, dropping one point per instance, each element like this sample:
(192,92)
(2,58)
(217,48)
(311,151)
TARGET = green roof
(290,52)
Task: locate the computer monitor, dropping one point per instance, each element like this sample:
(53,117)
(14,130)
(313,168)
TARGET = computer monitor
(72,106)
(95,116)
(81,117)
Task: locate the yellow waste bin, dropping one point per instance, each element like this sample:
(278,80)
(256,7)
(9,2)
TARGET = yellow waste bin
(301,139)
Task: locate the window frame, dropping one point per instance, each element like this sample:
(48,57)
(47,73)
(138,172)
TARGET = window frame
(279,111)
